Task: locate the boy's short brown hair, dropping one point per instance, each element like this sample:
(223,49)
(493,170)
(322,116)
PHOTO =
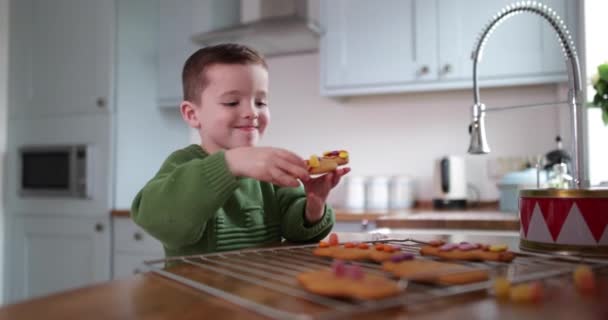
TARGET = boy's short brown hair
(193,74)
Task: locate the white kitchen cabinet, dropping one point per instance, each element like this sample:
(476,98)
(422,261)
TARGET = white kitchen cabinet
(371,46)
(69,49)
(523,49)
(132,246)
(179,20)
(401,46)
(51,254)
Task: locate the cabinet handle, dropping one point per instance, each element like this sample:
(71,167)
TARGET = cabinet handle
(101,102)
(138,236)
(446,69)
(424,70)
(99,227)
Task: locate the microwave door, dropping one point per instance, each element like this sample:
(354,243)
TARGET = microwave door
(54,171)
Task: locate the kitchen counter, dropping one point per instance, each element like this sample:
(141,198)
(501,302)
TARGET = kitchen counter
(150,296)
(484,217)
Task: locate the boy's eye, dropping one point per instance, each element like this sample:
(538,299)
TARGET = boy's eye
(260,103)
(231,104)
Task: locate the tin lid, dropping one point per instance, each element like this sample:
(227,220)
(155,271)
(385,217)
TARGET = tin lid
(564,193)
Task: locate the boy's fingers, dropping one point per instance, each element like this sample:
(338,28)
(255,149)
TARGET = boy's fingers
(339,174)
(293,170)
(282,178)
(292,158)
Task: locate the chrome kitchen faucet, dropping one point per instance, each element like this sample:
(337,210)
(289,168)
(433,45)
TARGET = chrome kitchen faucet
(479,144)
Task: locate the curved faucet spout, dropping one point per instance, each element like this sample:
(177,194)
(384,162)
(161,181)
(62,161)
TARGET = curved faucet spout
(477,131)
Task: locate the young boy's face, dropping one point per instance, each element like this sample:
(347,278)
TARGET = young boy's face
(232,110)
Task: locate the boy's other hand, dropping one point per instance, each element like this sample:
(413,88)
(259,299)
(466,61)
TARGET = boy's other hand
(317,190)
(274,165)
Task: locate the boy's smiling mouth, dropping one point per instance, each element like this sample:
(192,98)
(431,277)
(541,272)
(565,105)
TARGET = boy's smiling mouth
(247,127)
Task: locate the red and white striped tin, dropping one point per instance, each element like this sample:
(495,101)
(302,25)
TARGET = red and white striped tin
(569,221)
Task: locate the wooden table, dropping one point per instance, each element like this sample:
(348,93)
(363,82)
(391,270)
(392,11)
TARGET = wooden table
(149,296)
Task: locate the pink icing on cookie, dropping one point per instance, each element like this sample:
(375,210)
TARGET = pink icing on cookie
(339,268)
(354,271)
(466,246)
(402,257)
(448,247)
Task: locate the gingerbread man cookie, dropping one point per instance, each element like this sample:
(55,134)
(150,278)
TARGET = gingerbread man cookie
(356,251)
(347,281)
(469,251)
(433,271)
(328,162)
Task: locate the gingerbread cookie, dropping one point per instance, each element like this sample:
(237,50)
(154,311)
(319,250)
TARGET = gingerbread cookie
(435,272)
(468,251)
(357,251)
(328,162)
(342,253)
(347,281)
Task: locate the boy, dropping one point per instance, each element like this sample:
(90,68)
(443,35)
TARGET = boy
(226,193)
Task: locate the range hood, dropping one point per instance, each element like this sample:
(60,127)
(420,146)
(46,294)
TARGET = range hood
(273,27)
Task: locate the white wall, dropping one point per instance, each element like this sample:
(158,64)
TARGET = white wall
(403,134)
(144,133)
(3,107)
(596,52)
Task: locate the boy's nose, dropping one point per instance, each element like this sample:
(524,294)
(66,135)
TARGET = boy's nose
(251,112)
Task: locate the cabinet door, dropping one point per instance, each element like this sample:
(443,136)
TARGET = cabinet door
(377,46)
(517,52)
(51,254)
(72,49)
(174,48)
(179,20)
(128,264)
(132,246)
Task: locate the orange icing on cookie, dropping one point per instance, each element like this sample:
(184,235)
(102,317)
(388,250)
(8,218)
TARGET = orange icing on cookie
(333,239)
(363,245)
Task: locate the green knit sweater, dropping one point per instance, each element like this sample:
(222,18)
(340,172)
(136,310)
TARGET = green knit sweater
(195,205)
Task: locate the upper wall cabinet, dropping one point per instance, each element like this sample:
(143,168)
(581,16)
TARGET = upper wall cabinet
(416,45)
(179,20)
(523,49)
(61,56)
(371,46)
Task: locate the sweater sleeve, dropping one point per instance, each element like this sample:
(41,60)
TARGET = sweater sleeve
(294,227)
(185,194)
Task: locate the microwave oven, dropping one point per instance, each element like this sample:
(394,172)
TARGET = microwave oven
(56,171)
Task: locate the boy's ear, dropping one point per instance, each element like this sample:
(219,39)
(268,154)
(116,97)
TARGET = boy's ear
(189,114)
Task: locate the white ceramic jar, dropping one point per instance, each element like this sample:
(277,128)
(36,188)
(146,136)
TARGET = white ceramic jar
(401,190)
(377,193)
(355,192)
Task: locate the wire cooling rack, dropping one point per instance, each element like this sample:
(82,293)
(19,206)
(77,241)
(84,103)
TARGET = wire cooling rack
(264,280)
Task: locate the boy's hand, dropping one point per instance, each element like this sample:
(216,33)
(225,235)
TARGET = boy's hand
(317,190)
(277,166)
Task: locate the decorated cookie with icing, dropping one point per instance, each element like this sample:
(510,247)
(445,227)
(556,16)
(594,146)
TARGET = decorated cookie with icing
(347,281)
(436,272)
(469,251)
(352,251)
(328,162)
